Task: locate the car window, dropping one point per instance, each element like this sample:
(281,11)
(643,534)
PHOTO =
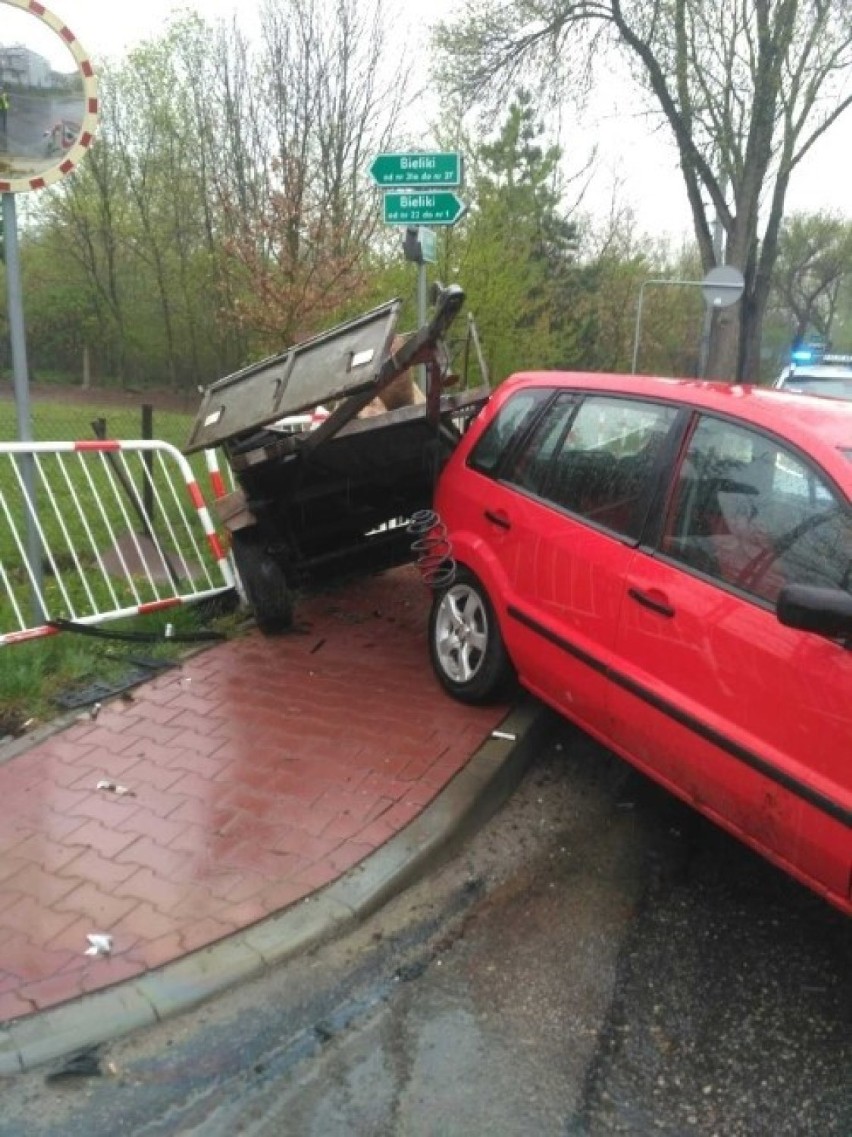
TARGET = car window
(837,386)
(530,466)
(604,465)
(753,514)
(507,427)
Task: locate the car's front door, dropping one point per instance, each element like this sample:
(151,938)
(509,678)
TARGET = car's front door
(749,720)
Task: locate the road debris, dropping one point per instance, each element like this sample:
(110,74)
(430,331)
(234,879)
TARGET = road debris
(99,944)
(83,1064)
(114,788)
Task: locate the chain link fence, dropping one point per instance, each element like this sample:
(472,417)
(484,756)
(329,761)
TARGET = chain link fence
(74,414)
(64,413)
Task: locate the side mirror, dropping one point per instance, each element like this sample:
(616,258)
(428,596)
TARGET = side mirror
(825,611)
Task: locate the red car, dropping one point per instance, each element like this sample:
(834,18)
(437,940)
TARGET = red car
(668,563)
(61,137)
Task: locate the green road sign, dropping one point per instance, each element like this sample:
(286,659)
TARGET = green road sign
(423,208)
(438,169)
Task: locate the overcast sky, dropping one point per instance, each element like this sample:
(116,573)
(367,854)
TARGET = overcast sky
(644,164)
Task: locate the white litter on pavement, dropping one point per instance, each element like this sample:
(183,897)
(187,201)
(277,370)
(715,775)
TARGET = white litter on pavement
(114,788)
(99,944)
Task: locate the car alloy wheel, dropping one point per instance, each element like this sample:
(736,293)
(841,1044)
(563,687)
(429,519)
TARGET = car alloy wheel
(466,647)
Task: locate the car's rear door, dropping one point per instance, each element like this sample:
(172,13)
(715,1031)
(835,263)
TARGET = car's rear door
(564,519)
(747,719)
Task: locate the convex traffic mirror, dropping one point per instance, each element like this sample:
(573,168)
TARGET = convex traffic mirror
(48,97)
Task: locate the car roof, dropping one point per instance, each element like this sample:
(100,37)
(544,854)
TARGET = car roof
(822,426)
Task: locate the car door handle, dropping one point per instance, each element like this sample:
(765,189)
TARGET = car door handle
(500,519)
(655,600)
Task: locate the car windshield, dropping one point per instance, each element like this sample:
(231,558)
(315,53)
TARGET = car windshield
(836,386)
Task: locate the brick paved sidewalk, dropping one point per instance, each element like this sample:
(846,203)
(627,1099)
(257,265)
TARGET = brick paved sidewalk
(262,770)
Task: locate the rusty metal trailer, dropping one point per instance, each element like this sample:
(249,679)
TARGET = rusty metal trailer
(337,498)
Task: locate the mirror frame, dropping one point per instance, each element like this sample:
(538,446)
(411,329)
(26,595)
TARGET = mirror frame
(65,163)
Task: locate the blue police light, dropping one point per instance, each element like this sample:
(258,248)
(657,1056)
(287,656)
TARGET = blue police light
(802,355)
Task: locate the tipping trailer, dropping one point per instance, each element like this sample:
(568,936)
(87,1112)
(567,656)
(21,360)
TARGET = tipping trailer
(336,498)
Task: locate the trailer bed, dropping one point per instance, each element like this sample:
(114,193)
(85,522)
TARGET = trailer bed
(336,498)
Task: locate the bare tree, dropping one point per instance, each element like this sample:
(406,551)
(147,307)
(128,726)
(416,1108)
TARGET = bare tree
(814,262)
(226,205)
(746,88)
(89,212)
(139,217)
(321,100)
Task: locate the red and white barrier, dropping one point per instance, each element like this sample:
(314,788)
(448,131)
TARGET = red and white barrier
(214,473)
(121,526)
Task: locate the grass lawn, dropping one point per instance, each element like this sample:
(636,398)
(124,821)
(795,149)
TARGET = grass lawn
(53,420)
(38,677)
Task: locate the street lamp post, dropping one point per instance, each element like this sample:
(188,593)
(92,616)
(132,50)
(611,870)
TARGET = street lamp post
(647,284)
(721,287)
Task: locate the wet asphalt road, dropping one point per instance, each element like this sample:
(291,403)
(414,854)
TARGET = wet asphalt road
(596,960)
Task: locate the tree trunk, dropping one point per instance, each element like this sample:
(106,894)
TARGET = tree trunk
(748,370)
(724,343)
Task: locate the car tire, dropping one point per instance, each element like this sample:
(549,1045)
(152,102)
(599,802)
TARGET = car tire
(465,645)
(263,583)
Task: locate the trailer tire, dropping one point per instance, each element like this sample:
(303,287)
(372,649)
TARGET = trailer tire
(264,585)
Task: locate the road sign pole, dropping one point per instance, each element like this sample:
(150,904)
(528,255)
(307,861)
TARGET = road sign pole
(421,318)
(417,196)
(710,311)
(721,287)
(20,374)
(712,304)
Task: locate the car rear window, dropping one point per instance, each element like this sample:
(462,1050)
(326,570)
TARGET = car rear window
(507,428)
(604,469)
(593,456)
(837,387)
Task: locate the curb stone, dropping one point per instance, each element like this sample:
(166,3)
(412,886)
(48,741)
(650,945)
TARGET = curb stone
(469,799)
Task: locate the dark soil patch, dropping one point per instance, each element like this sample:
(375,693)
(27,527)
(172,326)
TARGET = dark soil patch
(11,723)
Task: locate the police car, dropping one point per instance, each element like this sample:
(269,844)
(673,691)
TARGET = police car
(813,372)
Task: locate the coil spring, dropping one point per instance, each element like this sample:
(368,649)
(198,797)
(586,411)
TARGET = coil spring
(432,548)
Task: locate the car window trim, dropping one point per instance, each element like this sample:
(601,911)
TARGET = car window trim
(668,462)
(660,482)
(656,482)
(522,440)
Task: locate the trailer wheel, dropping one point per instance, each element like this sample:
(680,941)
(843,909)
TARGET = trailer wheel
(263,583)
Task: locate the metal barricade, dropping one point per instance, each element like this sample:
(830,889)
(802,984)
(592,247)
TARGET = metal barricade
(92,531)
(218,486)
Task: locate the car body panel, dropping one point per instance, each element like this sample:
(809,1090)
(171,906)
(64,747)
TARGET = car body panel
(739,711)
(690,678)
